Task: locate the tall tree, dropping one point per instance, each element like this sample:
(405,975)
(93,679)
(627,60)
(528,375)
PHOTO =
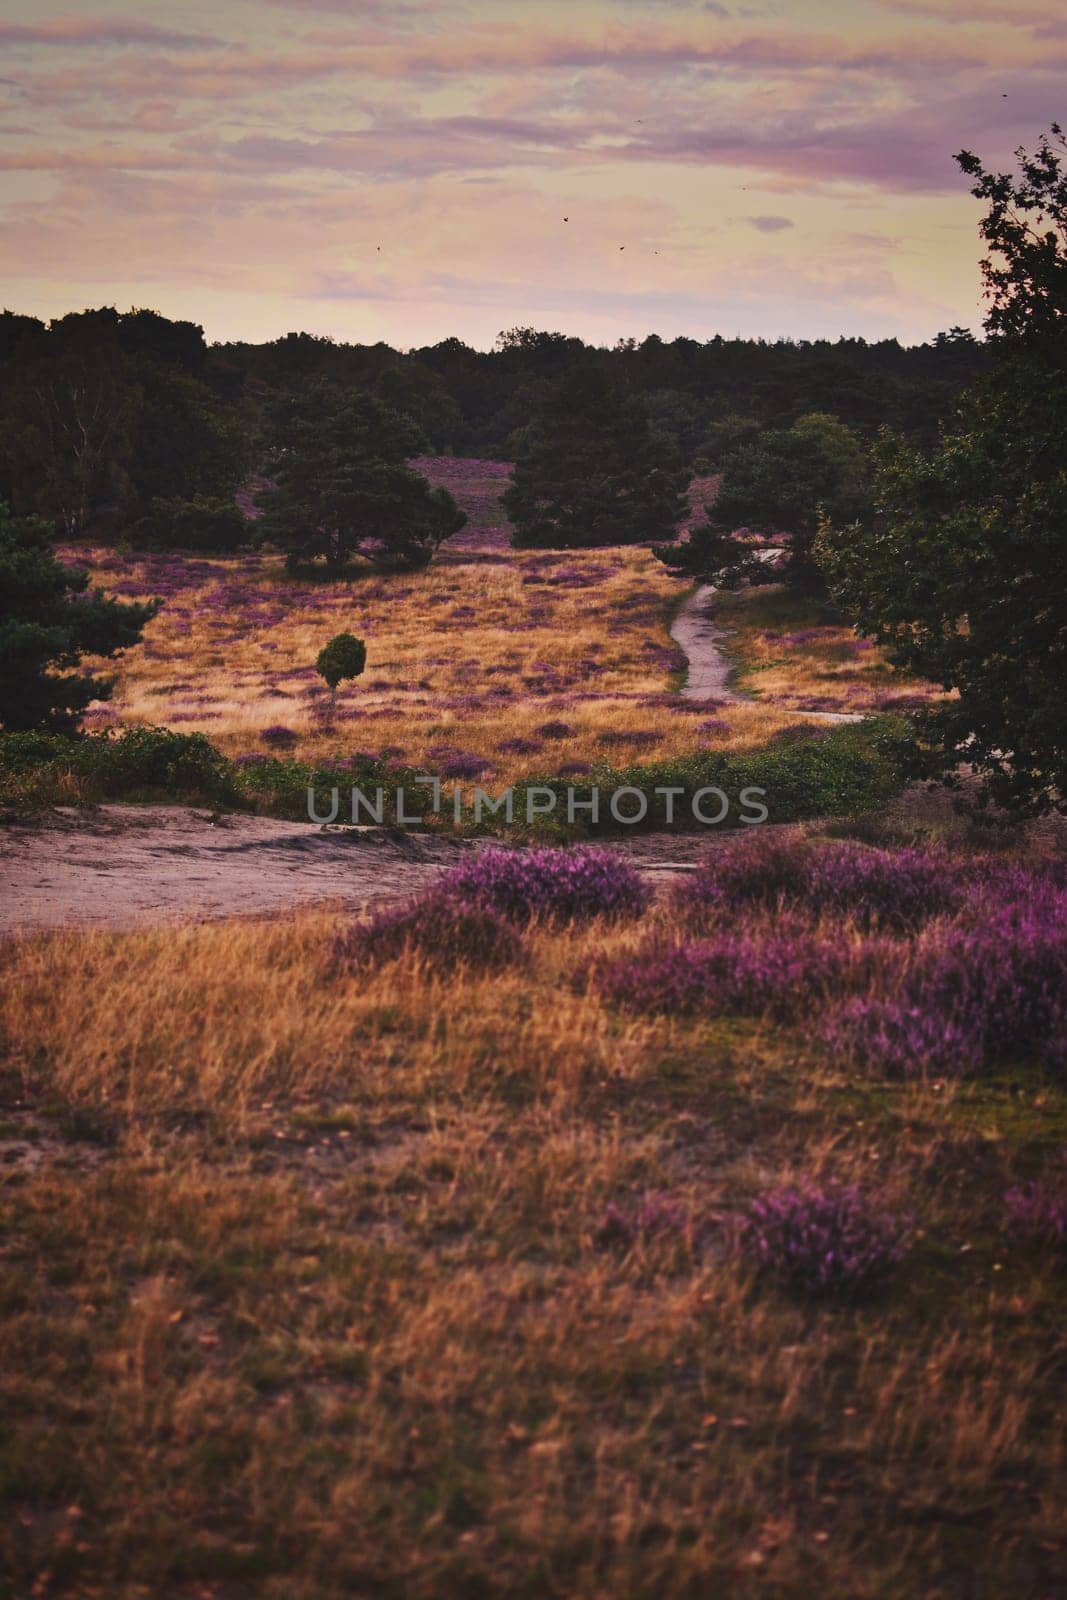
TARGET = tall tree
(591,470)
(70,408)
(49,619)
(962,572)
(777,484)
(342,486)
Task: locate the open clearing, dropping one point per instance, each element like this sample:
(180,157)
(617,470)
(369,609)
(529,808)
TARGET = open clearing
(121,865)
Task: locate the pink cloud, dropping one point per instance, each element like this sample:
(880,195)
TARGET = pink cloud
(90,31)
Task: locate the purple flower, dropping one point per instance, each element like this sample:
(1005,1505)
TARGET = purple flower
(279,737)
(519,747)
(555,730)
(1037,1211)
(441,929)
(824,1238)
(900,888)
(464,764)
(781,974)
(566,885)
(905,1041)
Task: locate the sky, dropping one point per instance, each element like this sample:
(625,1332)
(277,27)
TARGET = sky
(414,170)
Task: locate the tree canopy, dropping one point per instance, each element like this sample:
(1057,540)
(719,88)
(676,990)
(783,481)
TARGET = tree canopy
(49,619)
(962,570)
(342,487)
(592,470)
(778,483)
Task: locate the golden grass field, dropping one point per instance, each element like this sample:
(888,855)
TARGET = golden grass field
(472,653)
(304,1295)
(792,652)
(306,1289)
(483,648)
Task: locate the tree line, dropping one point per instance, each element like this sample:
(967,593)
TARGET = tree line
(925,488)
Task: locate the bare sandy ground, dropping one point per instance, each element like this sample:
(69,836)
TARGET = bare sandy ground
(122,865)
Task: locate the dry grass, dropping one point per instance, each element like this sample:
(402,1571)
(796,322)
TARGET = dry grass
(478,650)
(485,647)
(793,652)
(303,1294)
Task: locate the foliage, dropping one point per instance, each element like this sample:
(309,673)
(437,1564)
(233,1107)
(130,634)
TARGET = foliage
(778,484)
(441,929)
(565,885)
(852,769)
(342,488)
(825,1238)
(782,973)
(344,657)
(102,415)
(962,571)
(49,619)
(200,523)
(899,888)
(114,766)
(899,1038)
(592,471)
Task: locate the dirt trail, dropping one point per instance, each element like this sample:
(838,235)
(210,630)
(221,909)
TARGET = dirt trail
(123,865)
(707,677)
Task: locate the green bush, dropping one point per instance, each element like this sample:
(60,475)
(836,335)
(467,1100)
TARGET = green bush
(202,523)
(344,657)
(851,769)
(111,766)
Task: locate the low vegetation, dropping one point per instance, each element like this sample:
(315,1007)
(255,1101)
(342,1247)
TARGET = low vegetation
(339,1258)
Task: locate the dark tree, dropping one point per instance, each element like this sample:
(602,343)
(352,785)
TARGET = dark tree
(70,406)
(343,488)
(49,619)
(592,471)
(962,572)
(778,484)
(344,657)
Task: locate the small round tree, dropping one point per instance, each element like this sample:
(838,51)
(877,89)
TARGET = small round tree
(344,657)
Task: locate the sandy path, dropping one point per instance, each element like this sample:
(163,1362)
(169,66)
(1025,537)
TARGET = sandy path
(697,636)
(707,677)
(123,865)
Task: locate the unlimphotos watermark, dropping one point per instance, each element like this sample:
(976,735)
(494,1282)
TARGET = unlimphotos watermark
(626,805)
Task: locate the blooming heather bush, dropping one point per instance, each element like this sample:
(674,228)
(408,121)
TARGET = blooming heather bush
(1037,1211)
(895,888)
(441,929)
(519,747)
(901,888)
(463,764)
(783,974)
(908,1041)
(655,1215)
(1009,974)
(749,871)
(564,885)
(279,737)
(825,1239)
(555,730)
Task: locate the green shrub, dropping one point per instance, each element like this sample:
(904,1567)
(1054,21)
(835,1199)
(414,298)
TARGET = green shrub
(344,657)
(111,766)
(202,523)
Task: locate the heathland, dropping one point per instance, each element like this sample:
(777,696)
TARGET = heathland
(570,1231)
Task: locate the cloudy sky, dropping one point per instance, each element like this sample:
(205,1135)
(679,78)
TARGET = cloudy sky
(402,169)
